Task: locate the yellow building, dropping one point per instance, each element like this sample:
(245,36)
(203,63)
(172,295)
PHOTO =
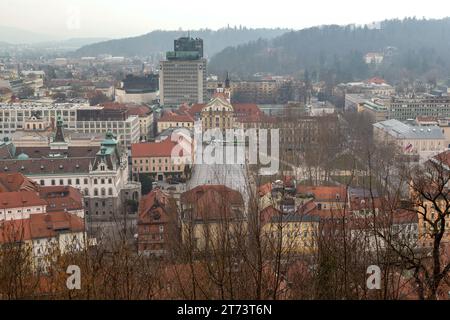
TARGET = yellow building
(218,113)
(428,210)
(175,120)
(155,158)
(296,232)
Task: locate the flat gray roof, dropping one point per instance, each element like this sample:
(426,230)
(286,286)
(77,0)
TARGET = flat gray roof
(401,130)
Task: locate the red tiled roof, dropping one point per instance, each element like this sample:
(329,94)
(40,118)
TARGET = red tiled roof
(196,108)
(324,193)
(39,226)
(15,231)
(138,110)
(19,199)
(170,116)
(153,149)
(443,157)
(61,198)
(154,202)
(131,108)
(16,182)
(213,202)
(375,80)
(47,225)
(247,108)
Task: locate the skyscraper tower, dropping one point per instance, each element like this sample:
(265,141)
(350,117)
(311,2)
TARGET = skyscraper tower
(182,76)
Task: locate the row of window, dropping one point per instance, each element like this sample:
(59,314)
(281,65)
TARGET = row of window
(146,169)
(20,211)
(77,181)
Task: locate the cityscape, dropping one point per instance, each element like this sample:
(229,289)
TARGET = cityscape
(233,163)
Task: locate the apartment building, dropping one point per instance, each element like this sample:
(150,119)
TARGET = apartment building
(257,91)
(156,159)
(401,108)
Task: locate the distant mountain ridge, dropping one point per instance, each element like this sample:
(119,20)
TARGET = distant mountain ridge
(160,41)
(11,37)
(420,47)
(19,36)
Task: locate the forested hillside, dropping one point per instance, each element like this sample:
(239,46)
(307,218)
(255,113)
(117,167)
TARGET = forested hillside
(411,48)
(160,41)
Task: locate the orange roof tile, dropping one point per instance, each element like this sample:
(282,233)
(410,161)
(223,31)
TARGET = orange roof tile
(153,149)
(170,116)
(16,182)
(19,199)
(213,201)
(61,198)
(324,193)
(15,231)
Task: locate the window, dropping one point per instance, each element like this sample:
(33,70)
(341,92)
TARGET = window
(77,181)
(42,182)
(96,192)
(110,191)
(85,181)
(61,182)
(53,182)
(69,182)
(95,181)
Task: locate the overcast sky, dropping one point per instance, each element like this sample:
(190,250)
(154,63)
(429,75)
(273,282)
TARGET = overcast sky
(118,18)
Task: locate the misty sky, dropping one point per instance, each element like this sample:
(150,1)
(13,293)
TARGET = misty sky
(118,18)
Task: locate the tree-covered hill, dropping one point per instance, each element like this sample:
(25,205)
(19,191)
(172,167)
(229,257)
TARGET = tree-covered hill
(411,47)
(160,41)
